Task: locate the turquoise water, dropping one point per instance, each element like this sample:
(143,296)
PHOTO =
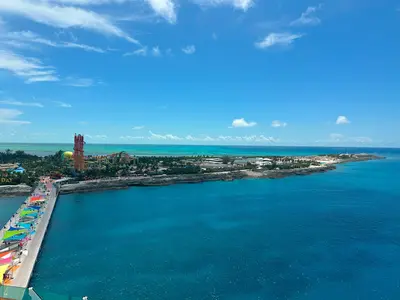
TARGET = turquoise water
(8,206)
(326,236)
(45,149)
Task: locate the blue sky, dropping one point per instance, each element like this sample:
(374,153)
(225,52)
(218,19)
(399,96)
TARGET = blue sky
(201,71)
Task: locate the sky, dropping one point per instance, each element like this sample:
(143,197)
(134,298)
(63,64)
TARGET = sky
(223,72)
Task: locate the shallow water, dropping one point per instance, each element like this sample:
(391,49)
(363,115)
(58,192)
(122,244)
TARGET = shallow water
(326,236)
(8,206)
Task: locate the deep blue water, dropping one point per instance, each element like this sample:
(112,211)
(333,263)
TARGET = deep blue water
(326,236)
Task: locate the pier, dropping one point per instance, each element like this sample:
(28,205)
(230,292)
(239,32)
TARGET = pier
(25,252)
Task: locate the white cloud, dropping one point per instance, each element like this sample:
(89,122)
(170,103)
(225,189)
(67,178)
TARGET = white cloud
(46,78)
(232,139)
(363,140)
(277,39)
(139,52)
(138,127)
(156,51)
(8,117)
(100,137)
(308,17)
(62,104)
(79,82)
(340,139)
(336,137)
(88,2)
(238,4)
(164,8)
(31,69)
(19,103)
(189,49)
(154,136)
(278,123)
(63,17)
(131,138)
(342,120)
(242,123)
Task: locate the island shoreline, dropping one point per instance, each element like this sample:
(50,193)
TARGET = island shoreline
(118,183)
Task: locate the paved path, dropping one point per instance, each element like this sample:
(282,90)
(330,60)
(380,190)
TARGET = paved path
(24,272)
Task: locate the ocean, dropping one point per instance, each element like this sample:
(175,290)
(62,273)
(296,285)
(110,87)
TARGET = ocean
(326,236)
(8,207)
(158,150)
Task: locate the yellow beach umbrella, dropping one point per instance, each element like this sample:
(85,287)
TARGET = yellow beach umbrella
(3,270)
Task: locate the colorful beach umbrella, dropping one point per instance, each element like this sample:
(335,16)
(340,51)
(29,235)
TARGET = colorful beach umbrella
(24,225)
(34,207)
(3,270)
(27,212)
(16,238)
(15,229)
(6,261)
(5,255)
(12,233)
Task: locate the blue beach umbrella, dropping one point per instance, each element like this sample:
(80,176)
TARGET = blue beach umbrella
(16,237)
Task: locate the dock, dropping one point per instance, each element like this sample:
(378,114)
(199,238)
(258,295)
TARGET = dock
(30,251)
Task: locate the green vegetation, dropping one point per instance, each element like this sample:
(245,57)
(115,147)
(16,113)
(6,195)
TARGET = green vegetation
(121,165)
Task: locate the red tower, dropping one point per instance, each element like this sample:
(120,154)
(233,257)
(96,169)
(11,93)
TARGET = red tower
(79,158)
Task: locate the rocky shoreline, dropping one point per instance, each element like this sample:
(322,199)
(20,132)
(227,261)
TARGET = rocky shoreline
(15,190)
(126,182)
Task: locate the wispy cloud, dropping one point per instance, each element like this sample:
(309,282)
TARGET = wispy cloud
(8,117)
(278,123)
(30,37)
(138,127)
(242,123)
(243,5)
(96,137)
(308,17)
(164,8)
(277,39)
(340,139)
(131,138)
(155,136)
(79,82)
(191,49)
(62,104)
(206,138)
(88,2)
(342,120)
(31,69)
(19,103)
(156,51)
(139,52)
(64,17)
